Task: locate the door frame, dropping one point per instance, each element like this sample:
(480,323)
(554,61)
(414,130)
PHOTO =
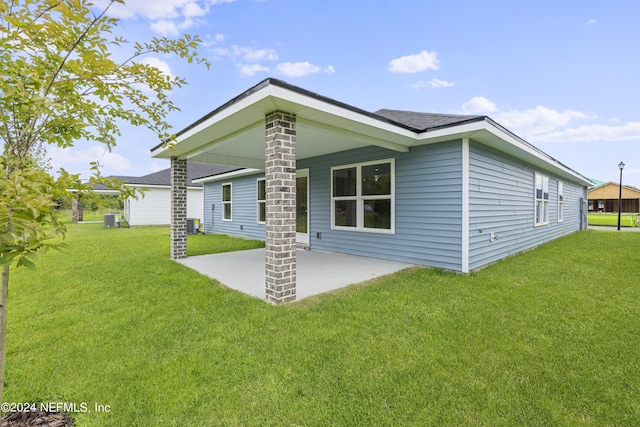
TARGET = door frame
(303,238)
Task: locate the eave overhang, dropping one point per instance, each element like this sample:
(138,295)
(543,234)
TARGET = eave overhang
(233,134)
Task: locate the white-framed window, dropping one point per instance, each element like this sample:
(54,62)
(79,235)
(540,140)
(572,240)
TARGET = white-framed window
(362,196)
(560,201)
(261,200)
(542,199)
(227,207)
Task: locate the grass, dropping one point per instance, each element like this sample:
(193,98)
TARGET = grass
(548,337)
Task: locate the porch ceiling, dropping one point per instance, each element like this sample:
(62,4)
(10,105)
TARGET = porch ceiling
(235,135)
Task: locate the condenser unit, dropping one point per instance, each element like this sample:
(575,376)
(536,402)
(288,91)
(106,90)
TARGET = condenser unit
(193,225)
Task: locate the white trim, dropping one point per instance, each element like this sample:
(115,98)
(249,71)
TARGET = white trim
(303,237)
(227,175)
(560,203)
(258,201)
(345,113)
(535,200)
(160,186)
(230,202)
(465,205)
(479,129)
(273,97)
(359,198)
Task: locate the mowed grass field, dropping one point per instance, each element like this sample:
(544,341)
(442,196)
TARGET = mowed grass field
(547,337)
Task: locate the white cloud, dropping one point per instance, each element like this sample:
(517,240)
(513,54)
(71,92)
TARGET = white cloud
(166,28)
(538,120)
(479,104)
(252,69)
(159,64)
(193,9)
(415,63)
(433,83)
(169,16)
(244,52)
(250,54)
(593,133)
(74,159)
(547,125)
(301,69)
(591,21)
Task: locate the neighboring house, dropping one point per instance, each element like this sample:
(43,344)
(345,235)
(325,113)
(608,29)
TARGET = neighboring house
(154,207)
(456,192)
(604,198)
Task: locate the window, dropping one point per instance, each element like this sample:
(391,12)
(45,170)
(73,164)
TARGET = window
(542,199)
(362,196)
(261,197)
(560,201)
(226,202)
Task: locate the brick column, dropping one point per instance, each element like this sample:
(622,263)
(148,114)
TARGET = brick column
(280,174)
(178,208)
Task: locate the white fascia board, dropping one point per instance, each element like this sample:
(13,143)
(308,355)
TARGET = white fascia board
(280,97)
(151,187)
(336,110)
(474,128)
(533,151)
(221,115)
(228,175)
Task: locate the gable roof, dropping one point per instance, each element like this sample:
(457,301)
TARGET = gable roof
(233,134)
(194,171)
(611,190)
(103,189)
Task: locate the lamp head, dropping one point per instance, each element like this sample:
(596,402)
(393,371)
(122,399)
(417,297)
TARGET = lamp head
(621,165)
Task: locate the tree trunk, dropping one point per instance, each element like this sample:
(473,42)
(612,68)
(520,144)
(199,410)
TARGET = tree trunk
(4,297)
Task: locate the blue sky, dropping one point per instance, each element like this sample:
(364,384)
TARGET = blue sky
(564,75)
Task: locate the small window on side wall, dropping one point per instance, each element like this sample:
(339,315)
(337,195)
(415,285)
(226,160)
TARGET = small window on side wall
(226,202)
(542,199)
(560,201)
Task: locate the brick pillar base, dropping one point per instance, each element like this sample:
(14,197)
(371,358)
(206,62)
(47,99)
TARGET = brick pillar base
(178,208)
(280,174)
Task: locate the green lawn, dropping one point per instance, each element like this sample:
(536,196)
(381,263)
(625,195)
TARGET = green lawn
(548,337)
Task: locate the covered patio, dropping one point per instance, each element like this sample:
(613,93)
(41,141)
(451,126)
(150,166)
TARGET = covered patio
(317,271)
(269,128)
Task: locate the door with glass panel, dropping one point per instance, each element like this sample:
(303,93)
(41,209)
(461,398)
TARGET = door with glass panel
(302,206)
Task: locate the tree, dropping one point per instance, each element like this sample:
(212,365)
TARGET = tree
(59,84)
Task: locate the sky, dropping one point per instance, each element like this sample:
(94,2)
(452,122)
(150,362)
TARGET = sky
(562,74)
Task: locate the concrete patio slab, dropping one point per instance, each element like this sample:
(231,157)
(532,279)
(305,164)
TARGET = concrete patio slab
(317,271)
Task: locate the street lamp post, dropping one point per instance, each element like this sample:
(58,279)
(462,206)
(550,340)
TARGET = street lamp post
(621,166)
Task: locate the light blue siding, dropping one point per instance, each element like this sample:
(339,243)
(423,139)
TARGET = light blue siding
(244,207)
(428,206)
(428,203)
(502,201)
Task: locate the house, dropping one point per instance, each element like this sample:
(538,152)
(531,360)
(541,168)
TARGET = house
(154,207)
(456,192)
(604,198)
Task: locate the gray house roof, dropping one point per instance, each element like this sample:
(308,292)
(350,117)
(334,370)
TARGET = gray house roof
(163,177)
(425,121)
(194,171)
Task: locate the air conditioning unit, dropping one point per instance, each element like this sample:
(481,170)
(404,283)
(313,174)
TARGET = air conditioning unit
(109,221)
(193,225)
